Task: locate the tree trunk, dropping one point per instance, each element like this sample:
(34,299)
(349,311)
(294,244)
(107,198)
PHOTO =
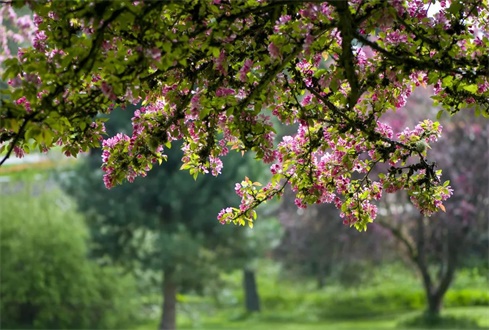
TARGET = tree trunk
(320,281)
(168,317)
(434,304)
(452,239)
(252,300)
(321,275)
(436,292)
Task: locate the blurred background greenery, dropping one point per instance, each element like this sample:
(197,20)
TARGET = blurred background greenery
(151,254)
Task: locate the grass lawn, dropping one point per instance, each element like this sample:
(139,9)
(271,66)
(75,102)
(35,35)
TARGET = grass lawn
(264,322)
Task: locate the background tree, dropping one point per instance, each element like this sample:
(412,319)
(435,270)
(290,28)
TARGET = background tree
(314,239)
(47,280)
(435,245)
(165,222)
(210,73)
(316,244)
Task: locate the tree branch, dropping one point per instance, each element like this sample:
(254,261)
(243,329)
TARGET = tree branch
(15,140)
(412,253)
(347,58)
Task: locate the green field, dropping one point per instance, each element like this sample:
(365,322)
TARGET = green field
(383,304)
(481,314)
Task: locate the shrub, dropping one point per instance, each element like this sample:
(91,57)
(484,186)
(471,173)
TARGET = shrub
(440,322)
(466,297)
(47,280)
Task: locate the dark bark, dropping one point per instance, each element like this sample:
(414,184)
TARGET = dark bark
(320,280)
(451,247)
(434,303)
(252,300)
(169,312)
(321,272)
(435,286)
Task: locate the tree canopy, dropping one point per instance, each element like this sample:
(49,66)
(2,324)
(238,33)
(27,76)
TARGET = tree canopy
(47,281)
(161,226)
(223,75)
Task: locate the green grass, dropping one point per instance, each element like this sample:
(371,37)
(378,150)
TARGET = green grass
(393,301)
(263,322)
(55,160)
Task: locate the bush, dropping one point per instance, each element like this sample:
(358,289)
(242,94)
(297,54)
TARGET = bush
(47,280)
(466,297)
(440,322)
(367,303)
(390,289)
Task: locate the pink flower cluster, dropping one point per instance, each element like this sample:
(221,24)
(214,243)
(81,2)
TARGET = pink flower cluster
(232,79)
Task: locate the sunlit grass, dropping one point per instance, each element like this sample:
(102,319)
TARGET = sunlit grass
(383,304)
(8,169)
(263,322)
(25,171)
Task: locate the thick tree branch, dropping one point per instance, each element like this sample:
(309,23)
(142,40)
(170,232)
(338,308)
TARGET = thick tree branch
(347,61)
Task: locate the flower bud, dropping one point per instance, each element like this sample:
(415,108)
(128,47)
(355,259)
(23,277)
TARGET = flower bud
(421,146)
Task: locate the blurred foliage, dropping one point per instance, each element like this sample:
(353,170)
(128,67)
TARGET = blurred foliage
(264,322)
(316,244)
(166,220)
(440,322)
(163,228)
(47,280)
(390,289)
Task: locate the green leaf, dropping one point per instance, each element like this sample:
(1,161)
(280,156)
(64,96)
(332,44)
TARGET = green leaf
(447,81)
(333,85)
(455,8)
(439,114)
(215,51)
(33,133)
(471,88)
(47,137)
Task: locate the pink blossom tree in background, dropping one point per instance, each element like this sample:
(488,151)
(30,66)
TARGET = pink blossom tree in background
(314,244)
(317,245)
(223,75)
(436,246)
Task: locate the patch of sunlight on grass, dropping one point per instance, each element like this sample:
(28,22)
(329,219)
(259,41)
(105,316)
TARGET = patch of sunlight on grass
(385,322)
(480,313)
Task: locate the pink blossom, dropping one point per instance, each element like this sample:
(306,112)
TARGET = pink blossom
(19,152)
(306,100)
(23,101)
(37,20)
(273,51)
(39,40)
(248,64)
(221,63)
(108,91)
(223,91)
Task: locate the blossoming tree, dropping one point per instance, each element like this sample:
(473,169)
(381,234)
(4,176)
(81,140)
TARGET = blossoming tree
(221,75)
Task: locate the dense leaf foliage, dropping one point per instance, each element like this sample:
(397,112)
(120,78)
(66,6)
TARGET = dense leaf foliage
(47,280)
(221,75)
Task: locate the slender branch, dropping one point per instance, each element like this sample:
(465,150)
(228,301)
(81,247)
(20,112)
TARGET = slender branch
(421,257)
(258,202)
(15,140)
(412,253)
